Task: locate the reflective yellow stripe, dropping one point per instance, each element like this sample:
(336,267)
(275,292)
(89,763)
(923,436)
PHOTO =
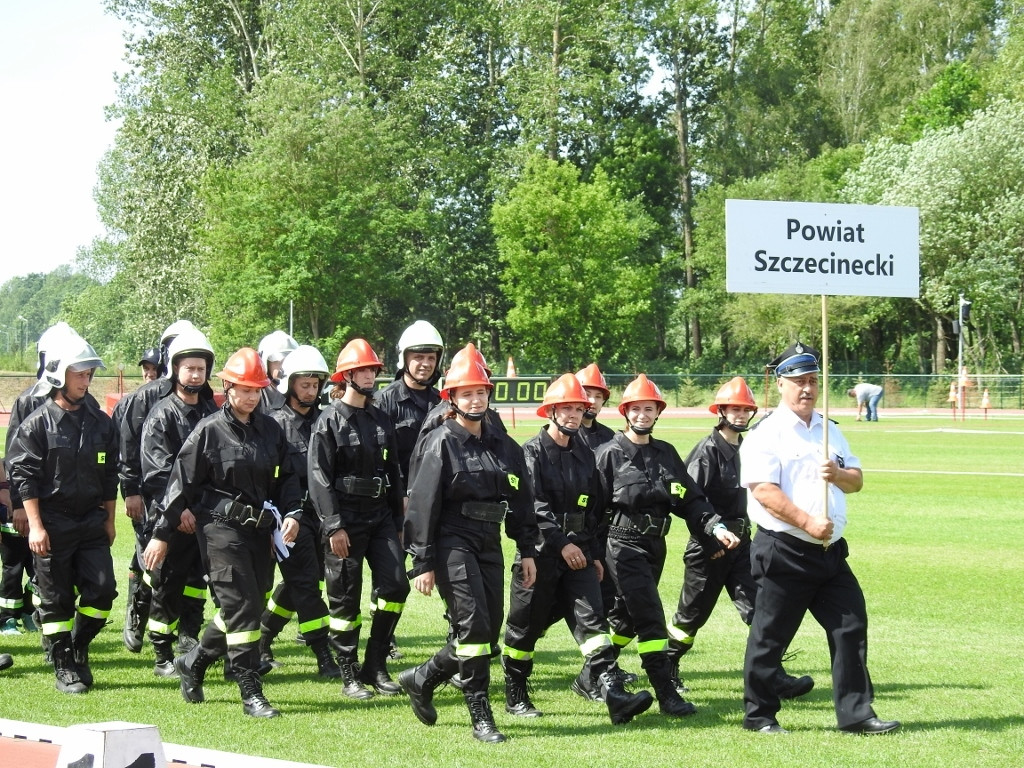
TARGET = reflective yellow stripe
(384,605)
(515,653)
(344,625)
(242,638)
(9,529)
(323,586)
(314,624)
(594,644)
(621,640)
(651,646)
(277,610)
(472,650)
(12,604)
(164,629)
(196,593)
(147,579)
(677,634)
(94,613)
(56,627)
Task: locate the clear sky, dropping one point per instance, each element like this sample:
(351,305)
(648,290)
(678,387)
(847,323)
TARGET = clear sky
(57,64)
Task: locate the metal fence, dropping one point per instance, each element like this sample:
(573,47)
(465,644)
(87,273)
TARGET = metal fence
(693,390)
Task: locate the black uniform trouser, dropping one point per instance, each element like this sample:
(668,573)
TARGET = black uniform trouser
(377,544)
(470,576)
(170,579)
(15,590)
(299,592)
(558,585)
(79,559)
(704,580)
(794,577)
(240,566)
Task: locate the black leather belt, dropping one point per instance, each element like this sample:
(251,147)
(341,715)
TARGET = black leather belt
(370,487)
(570,522)
(244,514)
(486,511)
(642,523)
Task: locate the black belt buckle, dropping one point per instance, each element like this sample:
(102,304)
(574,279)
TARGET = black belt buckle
(380,488)
(251,517)
(654,527)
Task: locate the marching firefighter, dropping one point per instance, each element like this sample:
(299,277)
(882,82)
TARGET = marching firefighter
(237,475)
(644,483)
(172,419)
(569,565)
(356,487)
(718,556)
(466,477)
(303,375)
(62,461)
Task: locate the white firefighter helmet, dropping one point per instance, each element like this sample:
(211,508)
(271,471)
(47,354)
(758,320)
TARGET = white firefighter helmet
(304,360)
(72,354)
(172,330)
(51,339)
(191,342)
(275,347)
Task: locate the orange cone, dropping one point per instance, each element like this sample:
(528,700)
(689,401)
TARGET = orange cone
(510,373)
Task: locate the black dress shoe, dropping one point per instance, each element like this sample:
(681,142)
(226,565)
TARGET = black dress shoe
(872,725)
(772,729)
(788,687)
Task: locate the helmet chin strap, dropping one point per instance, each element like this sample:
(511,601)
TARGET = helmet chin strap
(641,430)
(366,392)
(69,398)
(589,415)
(724,423)
(192,389)
(478,416)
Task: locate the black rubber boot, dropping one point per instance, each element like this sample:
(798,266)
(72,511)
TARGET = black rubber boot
(191,670)
(484,728)
(163,646)
(421,682)
(375,669)
(86,629)
(325,663)
(190,623)
(585,686)
(676,651)
(517,697)
(352,686)
(623,706)
(267,660)
(136,612)
(64,666)
(659,671)
(254,703)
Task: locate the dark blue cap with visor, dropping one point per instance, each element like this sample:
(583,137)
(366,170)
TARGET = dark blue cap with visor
(798,359)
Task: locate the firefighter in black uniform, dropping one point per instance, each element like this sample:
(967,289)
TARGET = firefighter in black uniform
(563,474)
(237,475)
(645,482)
(138,506)
(300,592)
(465,478)
(357,489)
(273,349)
(442,411)
(169,423)
(62,464)
(718,557)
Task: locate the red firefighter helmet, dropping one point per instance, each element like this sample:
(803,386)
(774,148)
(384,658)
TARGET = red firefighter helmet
(465,371)
(641,388)
(565,389)
(356,354)
(245,368)
(733,392)
(591,376)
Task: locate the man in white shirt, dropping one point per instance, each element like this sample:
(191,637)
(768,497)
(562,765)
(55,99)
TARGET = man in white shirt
(798,556)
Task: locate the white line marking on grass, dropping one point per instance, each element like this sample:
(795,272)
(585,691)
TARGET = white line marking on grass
(955,431)
(944,472)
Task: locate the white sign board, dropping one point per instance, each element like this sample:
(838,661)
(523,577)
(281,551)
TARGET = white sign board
(821,248)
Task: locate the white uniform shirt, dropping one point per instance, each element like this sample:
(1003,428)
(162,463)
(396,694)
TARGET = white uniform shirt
(785,451)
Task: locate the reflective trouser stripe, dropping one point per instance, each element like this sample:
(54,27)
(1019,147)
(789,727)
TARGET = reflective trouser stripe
(93,613)
(13,604)
(158,626)
(472,650)
(621,640)
(384,605)
(314,624)
(56,627)
(651,646)
(592,645)
(9,529)
(236,638)
(677,634)
(346,625)
(277,610)
(515,653)
(196,593)
(323,586)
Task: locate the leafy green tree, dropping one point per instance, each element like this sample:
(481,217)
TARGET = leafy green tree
(576,292)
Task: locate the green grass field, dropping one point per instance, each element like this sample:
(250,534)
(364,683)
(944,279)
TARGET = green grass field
(936,538)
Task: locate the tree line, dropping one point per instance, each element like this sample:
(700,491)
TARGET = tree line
(547,178)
